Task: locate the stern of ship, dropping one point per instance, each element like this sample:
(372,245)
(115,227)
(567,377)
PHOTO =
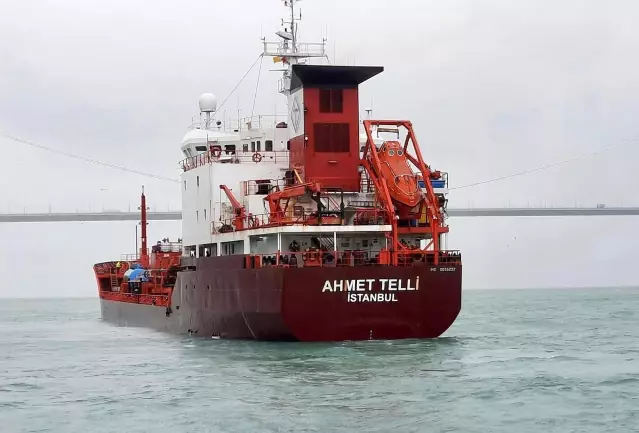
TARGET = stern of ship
(366,303)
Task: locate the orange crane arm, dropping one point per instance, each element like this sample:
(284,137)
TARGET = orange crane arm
(240,213)
(274,198)
(236,204)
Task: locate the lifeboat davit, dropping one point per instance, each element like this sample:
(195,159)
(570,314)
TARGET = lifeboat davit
(400,179)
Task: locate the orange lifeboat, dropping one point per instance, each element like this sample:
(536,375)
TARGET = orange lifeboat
(400,179)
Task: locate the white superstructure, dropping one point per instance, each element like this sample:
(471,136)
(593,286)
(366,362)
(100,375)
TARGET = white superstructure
(250,157)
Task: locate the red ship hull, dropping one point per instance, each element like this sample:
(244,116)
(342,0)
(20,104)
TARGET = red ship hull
(222,299)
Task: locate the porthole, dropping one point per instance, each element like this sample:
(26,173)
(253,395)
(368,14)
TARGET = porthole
(400,152)
(391,152)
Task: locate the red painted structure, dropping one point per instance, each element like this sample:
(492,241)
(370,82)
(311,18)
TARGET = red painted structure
(152,287)
(326,149)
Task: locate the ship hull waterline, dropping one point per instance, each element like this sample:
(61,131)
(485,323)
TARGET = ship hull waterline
(303,304)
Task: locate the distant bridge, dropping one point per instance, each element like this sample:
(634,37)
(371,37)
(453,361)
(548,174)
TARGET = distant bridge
(459,212)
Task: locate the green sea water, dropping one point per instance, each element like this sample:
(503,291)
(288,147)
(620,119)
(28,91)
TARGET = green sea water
(515,361)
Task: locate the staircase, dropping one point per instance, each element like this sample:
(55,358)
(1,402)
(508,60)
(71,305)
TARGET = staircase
(327,243)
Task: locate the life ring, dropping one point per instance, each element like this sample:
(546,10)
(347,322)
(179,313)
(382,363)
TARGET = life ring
(216,151)
(257,157)
(124,266)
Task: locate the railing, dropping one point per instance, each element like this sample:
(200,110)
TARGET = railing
(352,258)
(363,217)
(262,187)
(235,157)
(129,257)
(441,183)
(370,216)
(165,247)
(260,121)
(304,49)
(292,217)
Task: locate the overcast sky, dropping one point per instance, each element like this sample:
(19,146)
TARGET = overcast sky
(492,87)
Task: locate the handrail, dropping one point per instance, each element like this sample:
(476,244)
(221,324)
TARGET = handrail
(235,124)
(255,221)
(251,187)
(131,258)
(353,258)
(237,157)
(306,218)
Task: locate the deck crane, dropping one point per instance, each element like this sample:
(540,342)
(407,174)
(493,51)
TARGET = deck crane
(238,209)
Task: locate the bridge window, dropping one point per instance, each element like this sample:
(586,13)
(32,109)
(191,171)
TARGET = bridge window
(245,147)
(200,148)
(197,215)
(331,100)
(205,214)
(332,137)
(198,180)
(252,146)
(268,145)
(184,185)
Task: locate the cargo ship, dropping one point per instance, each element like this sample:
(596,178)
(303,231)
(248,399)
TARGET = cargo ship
(318,226)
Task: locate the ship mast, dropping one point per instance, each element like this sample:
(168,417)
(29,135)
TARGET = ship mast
(288,51)
(291,3)
(144,253)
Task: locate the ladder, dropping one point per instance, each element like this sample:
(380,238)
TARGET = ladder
(114,282)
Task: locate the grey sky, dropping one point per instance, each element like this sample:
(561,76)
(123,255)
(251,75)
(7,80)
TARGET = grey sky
(493,87)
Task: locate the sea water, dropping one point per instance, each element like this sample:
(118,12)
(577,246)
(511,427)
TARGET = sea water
(515,361)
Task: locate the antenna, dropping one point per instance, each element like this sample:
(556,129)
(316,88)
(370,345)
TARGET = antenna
(287,51)
(293,26)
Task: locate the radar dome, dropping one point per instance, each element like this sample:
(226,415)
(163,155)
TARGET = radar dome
(208,103)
